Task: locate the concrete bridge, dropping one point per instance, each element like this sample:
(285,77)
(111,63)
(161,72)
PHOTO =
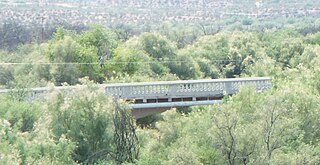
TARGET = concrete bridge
(148,98)
(154,97)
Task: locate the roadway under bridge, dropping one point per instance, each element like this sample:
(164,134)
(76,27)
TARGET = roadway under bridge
(148,98)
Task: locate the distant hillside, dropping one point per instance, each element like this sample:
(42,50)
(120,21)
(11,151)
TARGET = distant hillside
(34,21)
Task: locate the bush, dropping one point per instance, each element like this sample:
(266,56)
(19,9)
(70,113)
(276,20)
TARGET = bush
(84,117)
(21,115)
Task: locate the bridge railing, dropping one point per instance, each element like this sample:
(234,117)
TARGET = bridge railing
(168,89)
(187,88)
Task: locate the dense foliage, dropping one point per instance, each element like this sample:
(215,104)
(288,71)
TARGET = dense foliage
(279,126)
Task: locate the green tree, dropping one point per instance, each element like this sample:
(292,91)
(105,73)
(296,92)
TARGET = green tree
(6,75)
(25,136)
(102,39)
(129,61)
(157,46)
(97,45)
(283,46)
(63,54)
(85,120)
(226,54)
(185,67)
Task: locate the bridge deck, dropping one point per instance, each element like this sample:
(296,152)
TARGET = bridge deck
(156,97)
(168,91)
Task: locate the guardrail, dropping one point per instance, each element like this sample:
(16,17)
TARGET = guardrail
(166,89)
(186,88)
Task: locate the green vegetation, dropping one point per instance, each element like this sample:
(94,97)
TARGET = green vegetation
(101,56)
(66,128)
(279,126)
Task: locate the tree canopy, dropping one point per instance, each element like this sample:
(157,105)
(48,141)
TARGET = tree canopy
(278,126)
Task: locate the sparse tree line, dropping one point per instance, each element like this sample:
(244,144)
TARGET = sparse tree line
(279,126)
(29,24)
